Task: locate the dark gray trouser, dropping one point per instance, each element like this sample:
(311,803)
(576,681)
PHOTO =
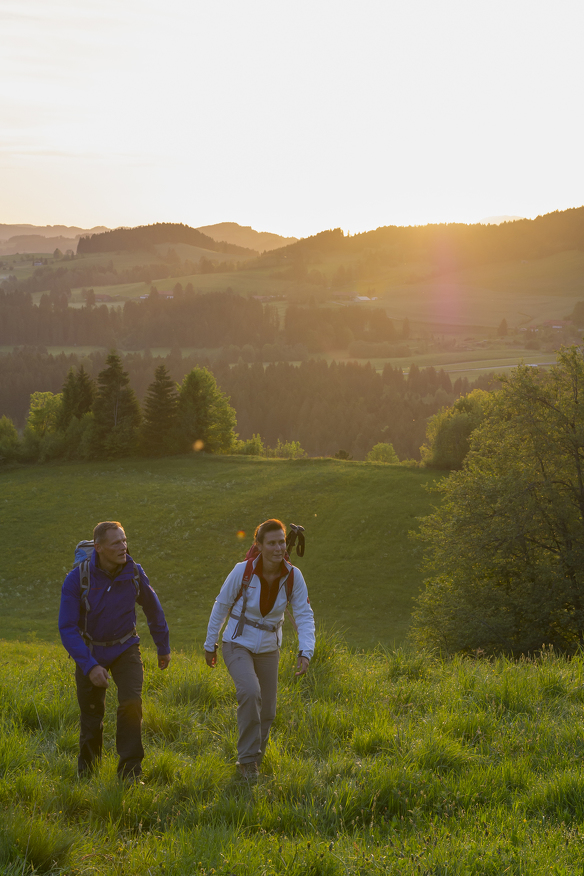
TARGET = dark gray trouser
(256,687)
(128,674)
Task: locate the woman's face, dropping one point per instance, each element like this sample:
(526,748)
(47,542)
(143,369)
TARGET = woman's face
(273,547)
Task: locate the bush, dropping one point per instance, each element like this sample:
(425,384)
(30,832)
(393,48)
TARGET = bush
(383,452)
(254,446)
(286,450)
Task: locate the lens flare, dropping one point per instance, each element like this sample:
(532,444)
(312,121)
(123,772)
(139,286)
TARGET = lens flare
(240,534)
(198,445)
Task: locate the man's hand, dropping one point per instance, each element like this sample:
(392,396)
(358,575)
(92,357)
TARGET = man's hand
(163,660)
(302,666)
(98,676)
(211,658)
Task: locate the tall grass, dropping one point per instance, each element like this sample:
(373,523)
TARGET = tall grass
(380,762)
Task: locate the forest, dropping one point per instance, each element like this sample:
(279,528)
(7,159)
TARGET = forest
(326,407)
(144,238)
(447,246)
(217,319)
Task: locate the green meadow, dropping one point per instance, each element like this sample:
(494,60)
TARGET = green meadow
(381,760)
(379,763)
(182,517)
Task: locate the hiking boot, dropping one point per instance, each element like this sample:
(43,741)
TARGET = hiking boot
(248,770)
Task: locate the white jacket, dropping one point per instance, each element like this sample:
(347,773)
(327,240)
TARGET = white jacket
(260,641)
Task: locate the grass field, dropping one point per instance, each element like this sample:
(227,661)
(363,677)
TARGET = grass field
(381,760)
(182,516)
(525,293)
(379,763)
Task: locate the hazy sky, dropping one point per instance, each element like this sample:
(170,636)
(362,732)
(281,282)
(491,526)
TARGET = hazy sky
(289,116)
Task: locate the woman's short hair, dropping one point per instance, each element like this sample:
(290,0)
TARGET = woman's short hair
(268,526)
(101,529)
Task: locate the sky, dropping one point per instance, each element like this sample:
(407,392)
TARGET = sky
(291,117)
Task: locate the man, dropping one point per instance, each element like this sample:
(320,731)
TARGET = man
(98,629)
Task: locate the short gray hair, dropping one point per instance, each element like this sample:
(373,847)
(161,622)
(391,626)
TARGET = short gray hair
(101,529)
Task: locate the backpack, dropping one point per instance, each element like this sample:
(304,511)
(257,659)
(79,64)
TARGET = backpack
(296,532)
(83,551)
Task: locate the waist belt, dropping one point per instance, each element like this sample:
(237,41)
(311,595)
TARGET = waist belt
(90,642)
(270,628)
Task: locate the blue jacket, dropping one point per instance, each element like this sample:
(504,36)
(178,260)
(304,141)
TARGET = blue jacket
(113,614)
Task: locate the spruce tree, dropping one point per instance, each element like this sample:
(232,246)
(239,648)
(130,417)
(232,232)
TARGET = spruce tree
(77,397)
(158,431)
(206,419)
(116,411)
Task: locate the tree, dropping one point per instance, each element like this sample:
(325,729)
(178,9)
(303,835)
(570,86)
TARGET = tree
(448,432)
(8,440)
(77,397)
(116,411)
(159,436)
(383,452)
(206,419)
(44,412)
(506,547)
(503,329)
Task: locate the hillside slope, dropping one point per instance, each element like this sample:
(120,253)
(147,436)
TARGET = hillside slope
(182,516)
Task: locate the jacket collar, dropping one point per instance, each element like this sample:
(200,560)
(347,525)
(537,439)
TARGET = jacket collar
(128,566)
(287,564)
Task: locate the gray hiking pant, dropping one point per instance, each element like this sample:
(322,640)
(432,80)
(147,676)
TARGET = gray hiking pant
(256,687)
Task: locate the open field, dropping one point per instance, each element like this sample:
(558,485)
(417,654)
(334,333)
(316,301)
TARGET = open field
(383,763)
(525,293)
(182,516)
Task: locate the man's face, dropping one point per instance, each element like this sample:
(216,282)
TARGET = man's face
(112,550)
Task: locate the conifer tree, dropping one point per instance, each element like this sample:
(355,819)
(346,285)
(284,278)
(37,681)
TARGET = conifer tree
(76,398)
(116,411)
(158,431)
(206,419)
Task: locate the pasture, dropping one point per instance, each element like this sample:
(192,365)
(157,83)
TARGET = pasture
(381,760)
(379,763)
(182,516)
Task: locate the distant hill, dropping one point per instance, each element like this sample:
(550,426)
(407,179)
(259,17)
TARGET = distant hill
(244,235)
(7,231)
(496,220)
(42,238)
(440,248)
(146,237)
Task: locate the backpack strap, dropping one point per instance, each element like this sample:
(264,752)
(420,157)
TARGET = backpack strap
(85,585)
(247,576)
(289,589)
(241,618)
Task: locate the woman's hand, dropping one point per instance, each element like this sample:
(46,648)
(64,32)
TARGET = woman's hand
(302,666)
(211,658)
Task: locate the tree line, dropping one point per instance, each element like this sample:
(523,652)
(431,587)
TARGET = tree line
(213,320)
(446,246)
(326,407)
(103,418)
(187,320)
(145,237)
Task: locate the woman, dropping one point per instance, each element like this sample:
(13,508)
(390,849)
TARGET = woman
(254,596)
